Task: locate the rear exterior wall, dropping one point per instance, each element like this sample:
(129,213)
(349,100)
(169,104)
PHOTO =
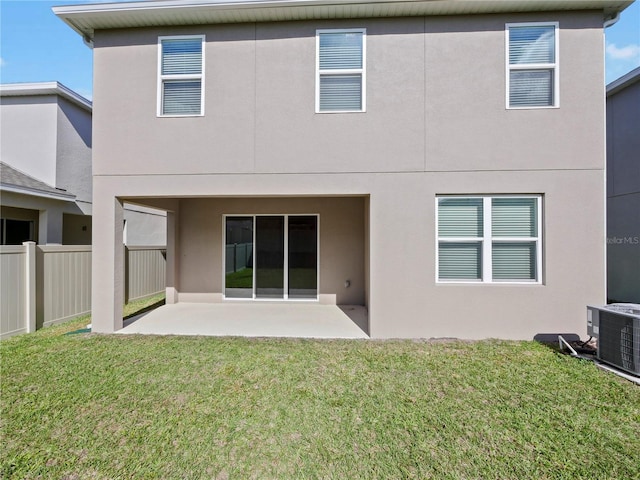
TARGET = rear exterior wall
(436,123)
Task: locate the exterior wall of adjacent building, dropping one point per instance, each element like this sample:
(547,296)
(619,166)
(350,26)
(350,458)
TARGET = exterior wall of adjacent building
(49,138)
(28,137)
(623,192)
(144,226)
(76,229)
(73,151)
(435,124)
(50,214)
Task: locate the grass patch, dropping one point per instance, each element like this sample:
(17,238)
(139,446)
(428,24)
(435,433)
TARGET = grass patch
(240,279)
(136,307)
(129,310)
(106,406)
(300,277)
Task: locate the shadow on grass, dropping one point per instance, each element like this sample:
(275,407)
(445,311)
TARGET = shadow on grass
(136,308)
(551,341)
(146,309)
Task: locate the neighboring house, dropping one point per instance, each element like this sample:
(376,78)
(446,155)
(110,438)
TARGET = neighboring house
(441,163)
(45,149)
(46,177)
(623,188)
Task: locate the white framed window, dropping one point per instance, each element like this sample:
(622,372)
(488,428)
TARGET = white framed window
(181,76)
(489,239)
(341,70)
(532,65)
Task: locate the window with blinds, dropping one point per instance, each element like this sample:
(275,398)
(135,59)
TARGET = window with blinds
(340,64)
(489,239)
(180,78)
(532,65)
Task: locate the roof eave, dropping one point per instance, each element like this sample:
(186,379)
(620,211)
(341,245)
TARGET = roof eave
(85,19)
(44,88)
(65,197)
(624,81)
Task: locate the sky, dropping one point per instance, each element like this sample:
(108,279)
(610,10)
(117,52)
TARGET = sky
(36,46)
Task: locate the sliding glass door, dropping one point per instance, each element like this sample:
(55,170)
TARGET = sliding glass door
(271,256)
(303,257)
(238,261)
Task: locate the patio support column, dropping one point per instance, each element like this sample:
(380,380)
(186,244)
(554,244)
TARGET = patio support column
(107,263)
(173,240)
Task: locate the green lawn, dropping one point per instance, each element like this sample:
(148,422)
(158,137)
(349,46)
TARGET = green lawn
(107,406)
(300,277)
(240,279)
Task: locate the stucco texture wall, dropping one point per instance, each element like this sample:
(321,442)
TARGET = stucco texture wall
(341,247)
(29,134)
(435,101)
(436,123)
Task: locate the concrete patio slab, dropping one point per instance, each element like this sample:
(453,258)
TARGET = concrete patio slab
(301,320)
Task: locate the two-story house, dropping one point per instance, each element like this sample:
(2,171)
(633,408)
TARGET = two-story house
(45,170)
(45,149)
(440,162)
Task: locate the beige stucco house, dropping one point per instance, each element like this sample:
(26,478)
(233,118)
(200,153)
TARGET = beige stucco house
(45,170)
(623,188)
(441,163)
(45,150)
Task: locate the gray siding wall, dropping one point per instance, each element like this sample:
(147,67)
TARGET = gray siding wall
(623,194)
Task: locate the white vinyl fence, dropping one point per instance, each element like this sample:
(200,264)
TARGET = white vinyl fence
(238,257)
(44,285)
(17,278)
(145,271)
(63,286)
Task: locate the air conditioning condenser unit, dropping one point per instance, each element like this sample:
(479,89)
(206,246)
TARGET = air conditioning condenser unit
(617,328)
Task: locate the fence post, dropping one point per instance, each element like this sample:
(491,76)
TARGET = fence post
(235,257)
(30,286)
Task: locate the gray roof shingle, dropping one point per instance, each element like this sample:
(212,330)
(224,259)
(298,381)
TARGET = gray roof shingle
(11,177)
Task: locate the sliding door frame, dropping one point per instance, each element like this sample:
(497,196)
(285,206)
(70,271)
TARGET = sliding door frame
(285,296)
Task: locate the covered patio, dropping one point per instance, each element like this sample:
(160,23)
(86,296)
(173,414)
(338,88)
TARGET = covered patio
(263,319)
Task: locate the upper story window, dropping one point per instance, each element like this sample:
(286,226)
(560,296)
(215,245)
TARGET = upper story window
(341,67)
(180,76)
(489,239)
(532,65)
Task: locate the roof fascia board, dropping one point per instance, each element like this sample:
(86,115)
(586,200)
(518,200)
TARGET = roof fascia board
(240,4)
(37,193)
(44,88)
(83,18)
(624,81)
